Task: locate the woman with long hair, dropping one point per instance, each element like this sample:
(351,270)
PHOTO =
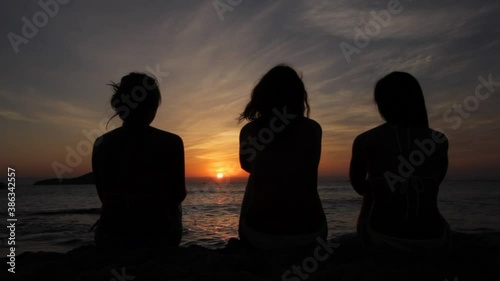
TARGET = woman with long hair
(280,147)
(397,167)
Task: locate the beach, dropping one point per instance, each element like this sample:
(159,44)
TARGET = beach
(473,257)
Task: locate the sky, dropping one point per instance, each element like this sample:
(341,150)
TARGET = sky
(58,58)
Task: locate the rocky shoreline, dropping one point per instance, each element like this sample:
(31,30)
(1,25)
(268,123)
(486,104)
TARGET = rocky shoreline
(473,257)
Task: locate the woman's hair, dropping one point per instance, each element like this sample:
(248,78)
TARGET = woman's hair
(280,87)
(136,98)
(400,100)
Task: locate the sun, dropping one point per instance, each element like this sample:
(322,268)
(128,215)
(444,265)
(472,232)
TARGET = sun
(220,175)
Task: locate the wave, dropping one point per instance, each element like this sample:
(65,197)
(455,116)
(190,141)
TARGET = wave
(68,212)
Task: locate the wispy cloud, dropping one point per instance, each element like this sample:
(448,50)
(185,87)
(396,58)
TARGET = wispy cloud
(59,79)
(15,116)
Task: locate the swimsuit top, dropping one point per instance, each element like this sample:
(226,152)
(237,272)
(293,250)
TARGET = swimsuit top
(412,182)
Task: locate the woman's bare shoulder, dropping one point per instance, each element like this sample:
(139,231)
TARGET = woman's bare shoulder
(249,128)
(165,135)
(372,133)
(313,123)
(438,136)
(109,136)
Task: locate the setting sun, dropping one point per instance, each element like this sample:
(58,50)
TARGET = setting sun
(220,175)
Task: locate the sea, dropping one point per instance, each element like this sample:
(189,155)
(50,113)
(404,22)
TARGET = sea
(58,218)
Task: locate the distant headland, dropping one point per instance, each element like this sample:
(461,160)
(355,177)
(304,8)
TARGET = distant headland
(82,180)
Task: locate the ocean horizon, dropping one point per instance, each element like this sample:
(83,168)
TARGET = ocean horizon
(58,218)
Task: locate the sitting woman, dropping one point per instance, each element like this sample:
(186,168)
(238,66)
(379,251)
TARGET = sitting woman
(139,172)
(280,148)
(397,167)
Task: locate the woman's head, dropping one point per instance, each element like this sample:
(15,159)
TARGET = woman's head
(136,98)
(280,87)
(400,100)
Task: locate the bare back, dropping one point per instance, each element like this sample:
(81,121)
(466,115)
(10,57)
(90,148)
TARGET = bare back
(139,176)
(399,171)
(281,195)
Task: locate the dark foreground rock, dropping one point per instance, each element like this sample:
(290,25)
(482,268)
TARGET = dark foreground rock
(472,258)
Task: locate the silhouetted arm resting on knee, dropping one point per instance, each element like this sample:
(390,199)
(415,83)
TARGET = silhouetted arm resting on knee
(358,169)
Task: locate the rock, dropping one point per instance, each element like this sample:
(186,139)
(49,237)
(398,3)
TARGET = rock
(473,257)
(82,180)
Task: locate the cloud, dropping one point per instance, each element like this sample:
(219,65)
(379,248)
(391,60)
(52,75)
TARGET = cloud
(33,106)
(59,79)
(412,21)
(15,116)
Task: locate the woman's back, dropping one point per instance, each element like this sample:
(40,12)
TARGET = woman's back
(139,172)
(282,192)
(140,178)
(280,147)
(405,167)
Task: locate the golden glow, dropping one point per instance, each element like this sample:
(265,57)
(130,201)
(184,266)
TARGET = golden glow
(220,175)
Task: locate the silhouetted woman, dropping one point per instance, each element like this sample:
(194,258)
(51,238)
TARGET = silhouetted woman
(139,172)
(397,167)
(280,147)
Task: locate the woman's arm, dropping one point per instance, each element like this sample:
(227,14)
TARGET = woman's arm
(358,169)
(317,149)
(178,173)
(247,153)
(95,168)
(443,162)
